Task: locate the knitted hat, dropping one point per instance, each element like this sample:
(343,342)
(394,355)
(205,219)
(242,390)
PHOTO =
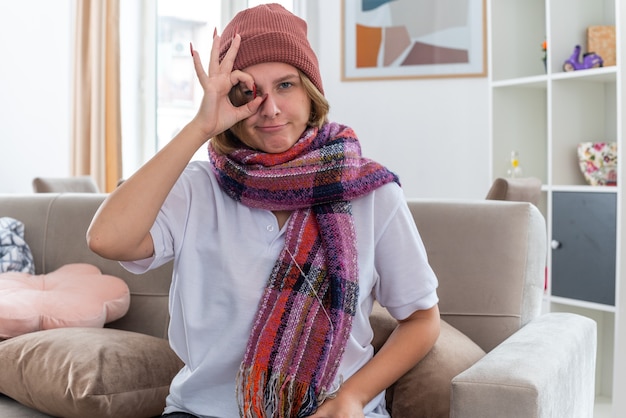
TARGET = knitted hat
(270,33)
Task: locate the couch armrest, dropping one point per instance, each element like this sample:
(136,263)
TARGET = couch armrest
(546,369)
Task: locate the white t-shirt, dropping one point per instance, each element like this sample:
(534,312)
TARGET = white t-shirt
(224,253)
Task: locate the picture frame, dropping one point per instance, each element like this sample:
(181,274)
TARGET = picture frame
(404,39)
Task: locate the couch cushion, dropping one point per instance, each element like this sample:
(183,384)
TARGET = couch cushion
(425,390)
(88,372)
(75,295)
(15,254)
(490,258)
(51,219)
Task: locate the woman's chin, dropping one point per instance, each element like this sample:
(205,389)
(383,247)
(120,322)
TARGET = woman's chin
(276,148)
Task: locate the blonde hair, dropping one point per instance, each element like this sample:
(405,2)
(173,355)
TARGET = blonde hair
(227,141)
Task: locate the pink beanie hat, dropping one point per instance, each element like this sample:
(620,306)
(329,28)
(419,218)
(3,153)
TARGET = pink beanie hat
(270,33)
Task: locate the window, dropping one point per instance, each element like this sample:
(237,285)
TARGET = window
(177,92)
(160,92)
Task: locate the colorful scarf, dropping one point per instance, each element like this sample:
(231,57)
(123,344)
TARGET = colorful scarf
(305,315)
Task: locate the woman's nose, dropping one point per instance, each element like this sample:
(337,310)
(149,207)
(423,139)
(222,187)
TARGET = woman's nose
(269,108)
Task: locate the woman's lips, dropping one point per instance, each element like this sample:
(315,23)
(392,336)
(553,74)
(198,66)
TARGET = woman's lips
(272,128)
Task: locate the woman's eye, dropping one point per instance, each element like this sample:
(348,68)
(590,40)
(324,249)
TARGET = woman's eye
(241,95)
(285,85)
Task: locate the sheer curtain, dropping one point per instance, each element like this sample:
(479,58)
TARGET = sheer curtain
(96,142)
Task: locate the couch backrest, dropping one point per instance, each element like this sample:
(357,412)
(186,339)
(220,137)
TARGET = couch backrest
(55,229)
(490,258)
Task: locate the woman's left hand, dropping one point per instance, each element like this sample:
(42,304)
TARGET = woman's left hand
(406,346)
(343,406)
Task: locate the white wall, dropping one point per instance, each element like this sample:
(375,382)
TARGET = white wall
(432,132)
(35,88)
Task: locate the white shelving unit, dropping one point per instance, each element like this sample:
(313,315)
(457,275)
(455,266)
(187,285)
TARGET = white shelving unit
(543,112)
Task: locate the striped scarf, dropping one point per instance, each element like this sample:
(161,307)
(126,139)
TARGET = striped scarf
(305,315)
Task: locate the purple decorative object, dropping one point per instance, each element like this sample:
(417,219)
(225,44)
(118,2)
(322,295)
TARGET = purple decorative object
(589,60)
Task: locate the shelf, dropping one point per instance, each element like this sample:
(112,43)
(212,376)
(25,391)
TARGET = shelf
(543,113)
(581,304)
(538,81)
(600,75)
(583,188)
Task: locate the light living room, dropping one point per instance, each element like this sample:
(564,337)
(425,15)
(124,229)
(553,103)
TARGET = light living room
(426,130)
(447,136)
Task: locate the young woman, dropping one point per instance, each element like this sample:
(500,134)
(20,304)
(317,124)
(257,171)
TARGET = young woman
(281,241)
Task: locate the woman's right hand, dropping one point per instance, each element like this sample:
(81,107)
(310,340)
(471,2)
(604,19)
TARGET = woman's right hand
(120,229)
(217,113)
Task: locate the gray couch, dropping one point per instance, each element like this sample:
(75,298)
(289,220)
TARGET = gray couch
(497,356)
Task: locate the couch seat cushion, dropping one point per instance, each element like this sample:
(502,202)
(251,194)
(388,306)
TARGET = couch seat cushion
(75,295)
(88,372)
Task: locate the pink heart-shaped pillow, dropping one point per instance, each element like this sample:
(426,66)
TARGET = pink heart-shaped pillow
(75,295)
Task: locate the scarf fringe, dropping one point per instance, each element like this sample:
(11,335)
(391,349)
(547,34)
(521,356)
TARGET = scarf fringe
(261,395)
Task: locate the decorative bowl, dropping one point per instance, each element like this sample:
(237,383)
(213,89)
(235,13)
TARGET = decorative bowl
(598,162)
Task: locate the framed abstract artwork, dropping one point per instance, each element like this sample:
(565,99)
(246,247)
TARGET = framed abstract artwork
(386,39)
